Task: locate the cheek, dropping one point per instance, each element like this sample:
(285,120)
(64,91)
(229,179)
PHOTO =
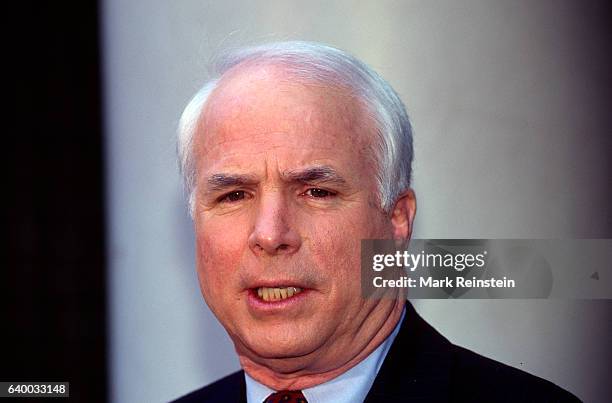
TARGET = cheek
(218,255)
(335,246)
(347,229)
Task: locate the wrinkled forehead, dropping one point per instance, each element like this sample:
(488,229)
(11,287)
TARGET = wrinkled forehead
(260,99)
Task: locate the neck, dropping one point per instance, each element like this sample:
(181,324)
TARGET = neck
(296,373)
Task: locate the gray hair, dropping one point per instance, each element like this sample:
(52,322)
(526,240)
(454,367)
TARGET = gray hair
(310,62)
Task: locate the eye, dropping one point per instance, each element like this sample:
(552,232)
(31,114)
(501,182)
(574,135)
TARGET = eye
(232,196)
(318,193)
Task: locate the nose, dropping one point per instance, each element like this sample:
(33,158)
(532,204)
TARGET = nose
(273,230)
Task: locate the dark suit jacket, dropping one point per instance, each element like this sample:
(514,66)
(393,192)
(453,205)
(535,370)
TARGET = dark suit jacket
(422,366)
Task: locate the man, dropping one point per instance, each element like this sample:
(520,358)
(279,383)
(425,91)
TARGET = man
(291,155)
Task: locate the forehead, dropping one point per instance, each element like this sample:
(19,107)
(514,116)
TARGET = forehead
(262,109)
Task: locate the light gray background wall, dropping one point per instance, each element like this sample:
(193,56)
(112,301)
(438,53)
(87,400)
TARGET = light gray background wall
(507,99)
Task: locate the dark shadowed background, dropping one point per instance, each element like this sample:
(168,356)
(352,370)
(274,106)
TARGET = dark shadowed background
(54,324)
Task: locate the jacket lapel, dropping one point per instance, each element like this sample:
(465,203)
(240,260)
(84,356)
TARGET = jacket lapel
(417,366)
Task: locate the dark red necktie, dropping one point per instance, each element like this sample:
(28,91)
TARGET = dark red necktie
(286,396)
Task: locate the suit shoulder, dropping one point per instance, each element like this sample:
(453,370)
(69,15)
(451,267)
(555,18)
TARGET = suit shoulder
(228,389)
(479,378)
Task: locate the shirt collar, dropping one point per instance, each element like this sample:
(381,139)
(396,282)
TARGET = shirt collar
(351,386)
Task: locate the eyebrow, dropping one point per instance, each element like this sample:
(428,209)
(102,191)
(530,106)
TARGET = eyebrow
(223,181)
(316,174)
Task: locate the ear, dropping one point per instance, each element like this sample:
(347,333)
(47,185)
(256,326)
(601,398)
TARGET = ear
(402,215)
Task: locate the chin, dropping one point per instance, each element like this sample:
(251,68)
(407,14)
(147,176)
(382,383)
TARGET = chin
(270,347)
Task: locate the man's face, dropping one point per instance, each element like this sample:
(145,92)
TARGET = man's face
(285,192)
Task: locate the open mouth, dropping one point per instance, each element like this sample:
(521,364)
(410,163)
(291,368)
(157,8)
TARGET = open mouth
(277,293)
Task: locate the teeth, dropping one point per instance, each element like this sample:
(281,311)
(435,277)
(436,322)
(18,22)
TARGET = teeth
(277,293)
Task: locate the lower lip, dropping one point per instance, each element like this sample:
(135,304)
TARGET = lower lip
(259,304)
